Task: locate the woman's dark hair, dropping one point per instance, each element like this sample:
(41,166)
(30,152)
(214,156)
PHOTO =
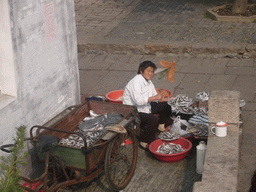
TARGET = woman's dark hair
(145,64)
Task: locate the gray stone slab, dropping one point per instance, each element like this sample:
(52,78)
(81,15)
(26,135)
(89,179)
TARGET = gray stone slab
(240,63)
(221,62)
(183,61)
(220,82)
(89,79)
(224,106)
(96,62)
(249,116)
(196,61)
(85,60)
(192,84)
(248,138)
(135,60)
(199,68)
(249,107)
(124,64)
(241,71)
(117,60)
(221,163)
(112,81)
(208,61)
(246,86)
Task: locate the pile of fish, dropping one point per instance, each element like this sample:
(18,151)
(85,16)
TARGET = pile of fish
(182,104)
(73,141)
(169,148)
(168,135)
(92,127)
(199,119)
(204,96)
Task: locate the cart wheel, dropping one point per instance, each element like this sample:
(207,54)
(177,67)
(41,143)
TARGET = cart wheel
(120,160)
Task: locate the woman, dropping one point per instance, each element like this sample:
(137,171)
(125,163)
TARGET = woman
(141,92)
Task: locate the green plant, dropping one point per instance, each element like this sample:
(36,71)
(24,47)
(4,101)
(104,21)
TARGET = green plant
(10,174)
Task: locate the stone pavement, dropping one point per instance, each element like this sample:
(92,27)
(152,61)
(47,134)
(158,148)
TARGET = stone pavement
(152,26)
(103,72)
(114,36)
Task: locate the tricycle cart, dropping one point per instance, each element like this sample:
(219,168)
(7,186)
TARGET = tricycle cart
(115,153)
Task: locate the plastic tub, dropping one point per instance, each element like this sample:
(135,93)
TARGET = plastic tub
(185,144)
(115,96)
(165,92)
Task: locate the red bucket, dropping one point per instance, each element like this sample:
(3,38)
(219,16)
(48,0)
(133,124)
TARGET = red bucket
(115,96)
(185,144)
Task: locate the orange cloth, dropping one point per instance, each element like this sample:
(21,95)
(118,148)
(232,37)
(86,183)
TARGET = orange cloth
(171,70)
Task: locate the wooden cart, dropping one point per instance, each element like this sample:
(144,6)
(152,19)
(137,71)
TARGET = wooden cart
(114,153)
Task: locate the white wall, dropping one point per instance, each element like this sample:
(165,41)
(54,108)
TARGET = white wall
(46,70)
(7,76)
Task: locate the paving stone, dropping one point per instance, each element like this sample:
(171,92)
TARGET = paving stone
(192,84)
(84,61)
(240,63)
(241,71)
(249,106)
(95,62)
(202,69)
(246,85)
(112,81)
(220,82)
(221,62)
(89,79)
(120,63)
(208,62)
(249,116)
(183,61)
(117,59)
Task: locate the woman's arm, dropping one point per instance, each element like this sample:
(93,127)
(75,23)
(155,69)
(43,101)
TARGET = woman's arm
(158,97)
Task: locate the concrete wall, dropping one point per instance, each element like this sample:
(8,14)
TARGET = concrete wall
(45,63)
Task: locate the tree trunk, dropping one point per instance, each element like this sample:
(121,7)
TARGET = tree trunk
(239,6)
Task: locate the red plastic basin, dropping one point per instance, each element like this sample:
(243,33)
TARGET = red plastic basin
(115,96)
(185,144)
(165,91)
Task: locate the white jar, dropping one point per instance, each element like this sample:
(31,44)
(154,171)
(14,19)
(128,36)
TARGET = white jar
(200,154)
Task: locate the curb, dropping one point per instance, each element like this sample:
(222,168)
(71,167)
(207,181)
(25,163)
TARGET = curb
(172,48)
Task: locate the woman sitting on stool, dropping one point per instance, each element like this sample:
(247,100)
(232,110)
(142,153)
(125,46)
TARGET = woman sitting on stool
(141,92)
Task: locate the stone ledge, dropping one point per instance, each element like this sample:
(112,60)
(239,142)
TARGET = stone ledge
(221,162)
(210,13)
(224,106)
(222,154)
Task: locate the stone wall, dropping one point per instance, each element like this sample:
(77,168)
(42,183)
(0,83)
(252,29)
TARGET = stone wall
(45,63)
(222,153)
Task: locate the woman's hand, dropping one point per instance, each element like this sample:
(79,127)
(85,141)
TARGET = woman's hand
(156,97)
(159,96)
(165,99)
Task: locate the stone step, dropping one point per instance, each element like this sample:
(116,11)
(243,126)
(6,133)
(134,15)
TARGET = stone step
(141,48)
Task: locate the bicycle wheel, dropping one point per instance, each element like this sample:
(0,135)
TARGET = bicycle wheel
(120,160)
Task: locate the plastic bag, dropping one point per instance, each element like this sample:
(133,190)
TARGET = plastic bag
(180,126)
